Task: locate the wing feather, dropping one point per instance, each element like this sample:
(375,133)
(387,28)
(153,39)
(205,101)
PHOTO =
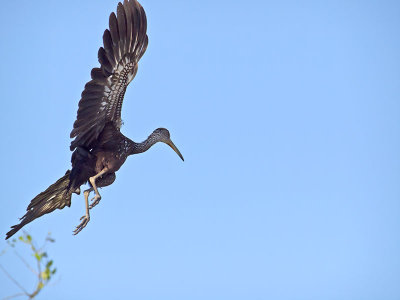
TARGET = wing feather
(98,75)
(108,46)
(129,24)
(113,23)
(104,61)
(124,43)
(121,25)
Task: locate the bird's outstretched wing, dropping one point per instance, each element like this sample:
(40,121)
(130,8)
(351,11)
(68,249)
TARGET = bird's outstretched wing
(124,44)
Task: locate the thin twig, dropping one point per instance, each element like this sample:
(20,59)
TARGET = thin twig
(13,280)
(25,263)
(54,283)
(4,250)
(43,246)
(14,296)
(39,275)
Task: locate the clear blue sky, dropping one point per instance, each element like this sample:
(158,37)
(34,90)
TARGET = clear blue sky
(287,114)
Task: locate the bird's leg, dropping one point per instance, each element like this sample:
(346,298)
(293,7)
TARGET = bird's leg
(86,218)
(92,181)
(102,182)
(88,191)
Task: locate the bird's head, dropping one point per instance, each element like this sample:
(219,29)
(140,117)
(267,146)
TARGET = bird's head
(162,135)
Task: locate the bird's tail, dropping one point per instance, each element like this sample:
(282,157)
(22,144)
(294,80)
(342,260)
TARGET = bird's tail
(56,196)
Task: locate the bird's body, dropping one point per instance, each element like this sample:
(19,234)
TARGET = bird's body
(99,148)
(111,152)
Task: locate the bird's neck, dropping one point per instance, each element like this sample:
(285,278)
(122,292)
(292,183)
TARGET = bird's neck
(143,146)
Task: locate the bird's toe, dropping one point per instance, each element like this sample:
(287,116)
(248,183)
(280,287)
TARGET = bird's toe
(95,200)
(85,220)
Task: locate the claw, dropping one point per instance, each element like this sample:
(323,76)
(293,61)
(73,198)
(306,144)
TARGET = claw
(82,225)
(96,197)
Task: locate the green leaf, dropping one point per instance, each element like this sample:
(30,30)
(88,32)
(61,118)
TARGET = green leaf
(45,275)
(40,285)
(50,239)
(21,238)
(38,256)
(54,271)
(49,263)
(29,238)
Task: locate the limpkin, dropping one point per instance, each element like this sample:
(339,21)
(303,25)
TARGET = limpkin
(99,148)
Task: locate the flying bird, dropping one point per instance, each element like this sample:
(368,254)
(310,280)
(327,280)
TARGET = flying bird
(99,148)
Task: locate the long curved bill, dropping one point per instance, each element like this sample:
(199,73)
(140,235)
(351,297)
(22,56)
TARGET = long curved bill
(172,145)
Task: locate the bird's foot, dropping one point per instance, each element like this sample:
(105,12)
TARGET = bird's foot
(95,200)
(85,220)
